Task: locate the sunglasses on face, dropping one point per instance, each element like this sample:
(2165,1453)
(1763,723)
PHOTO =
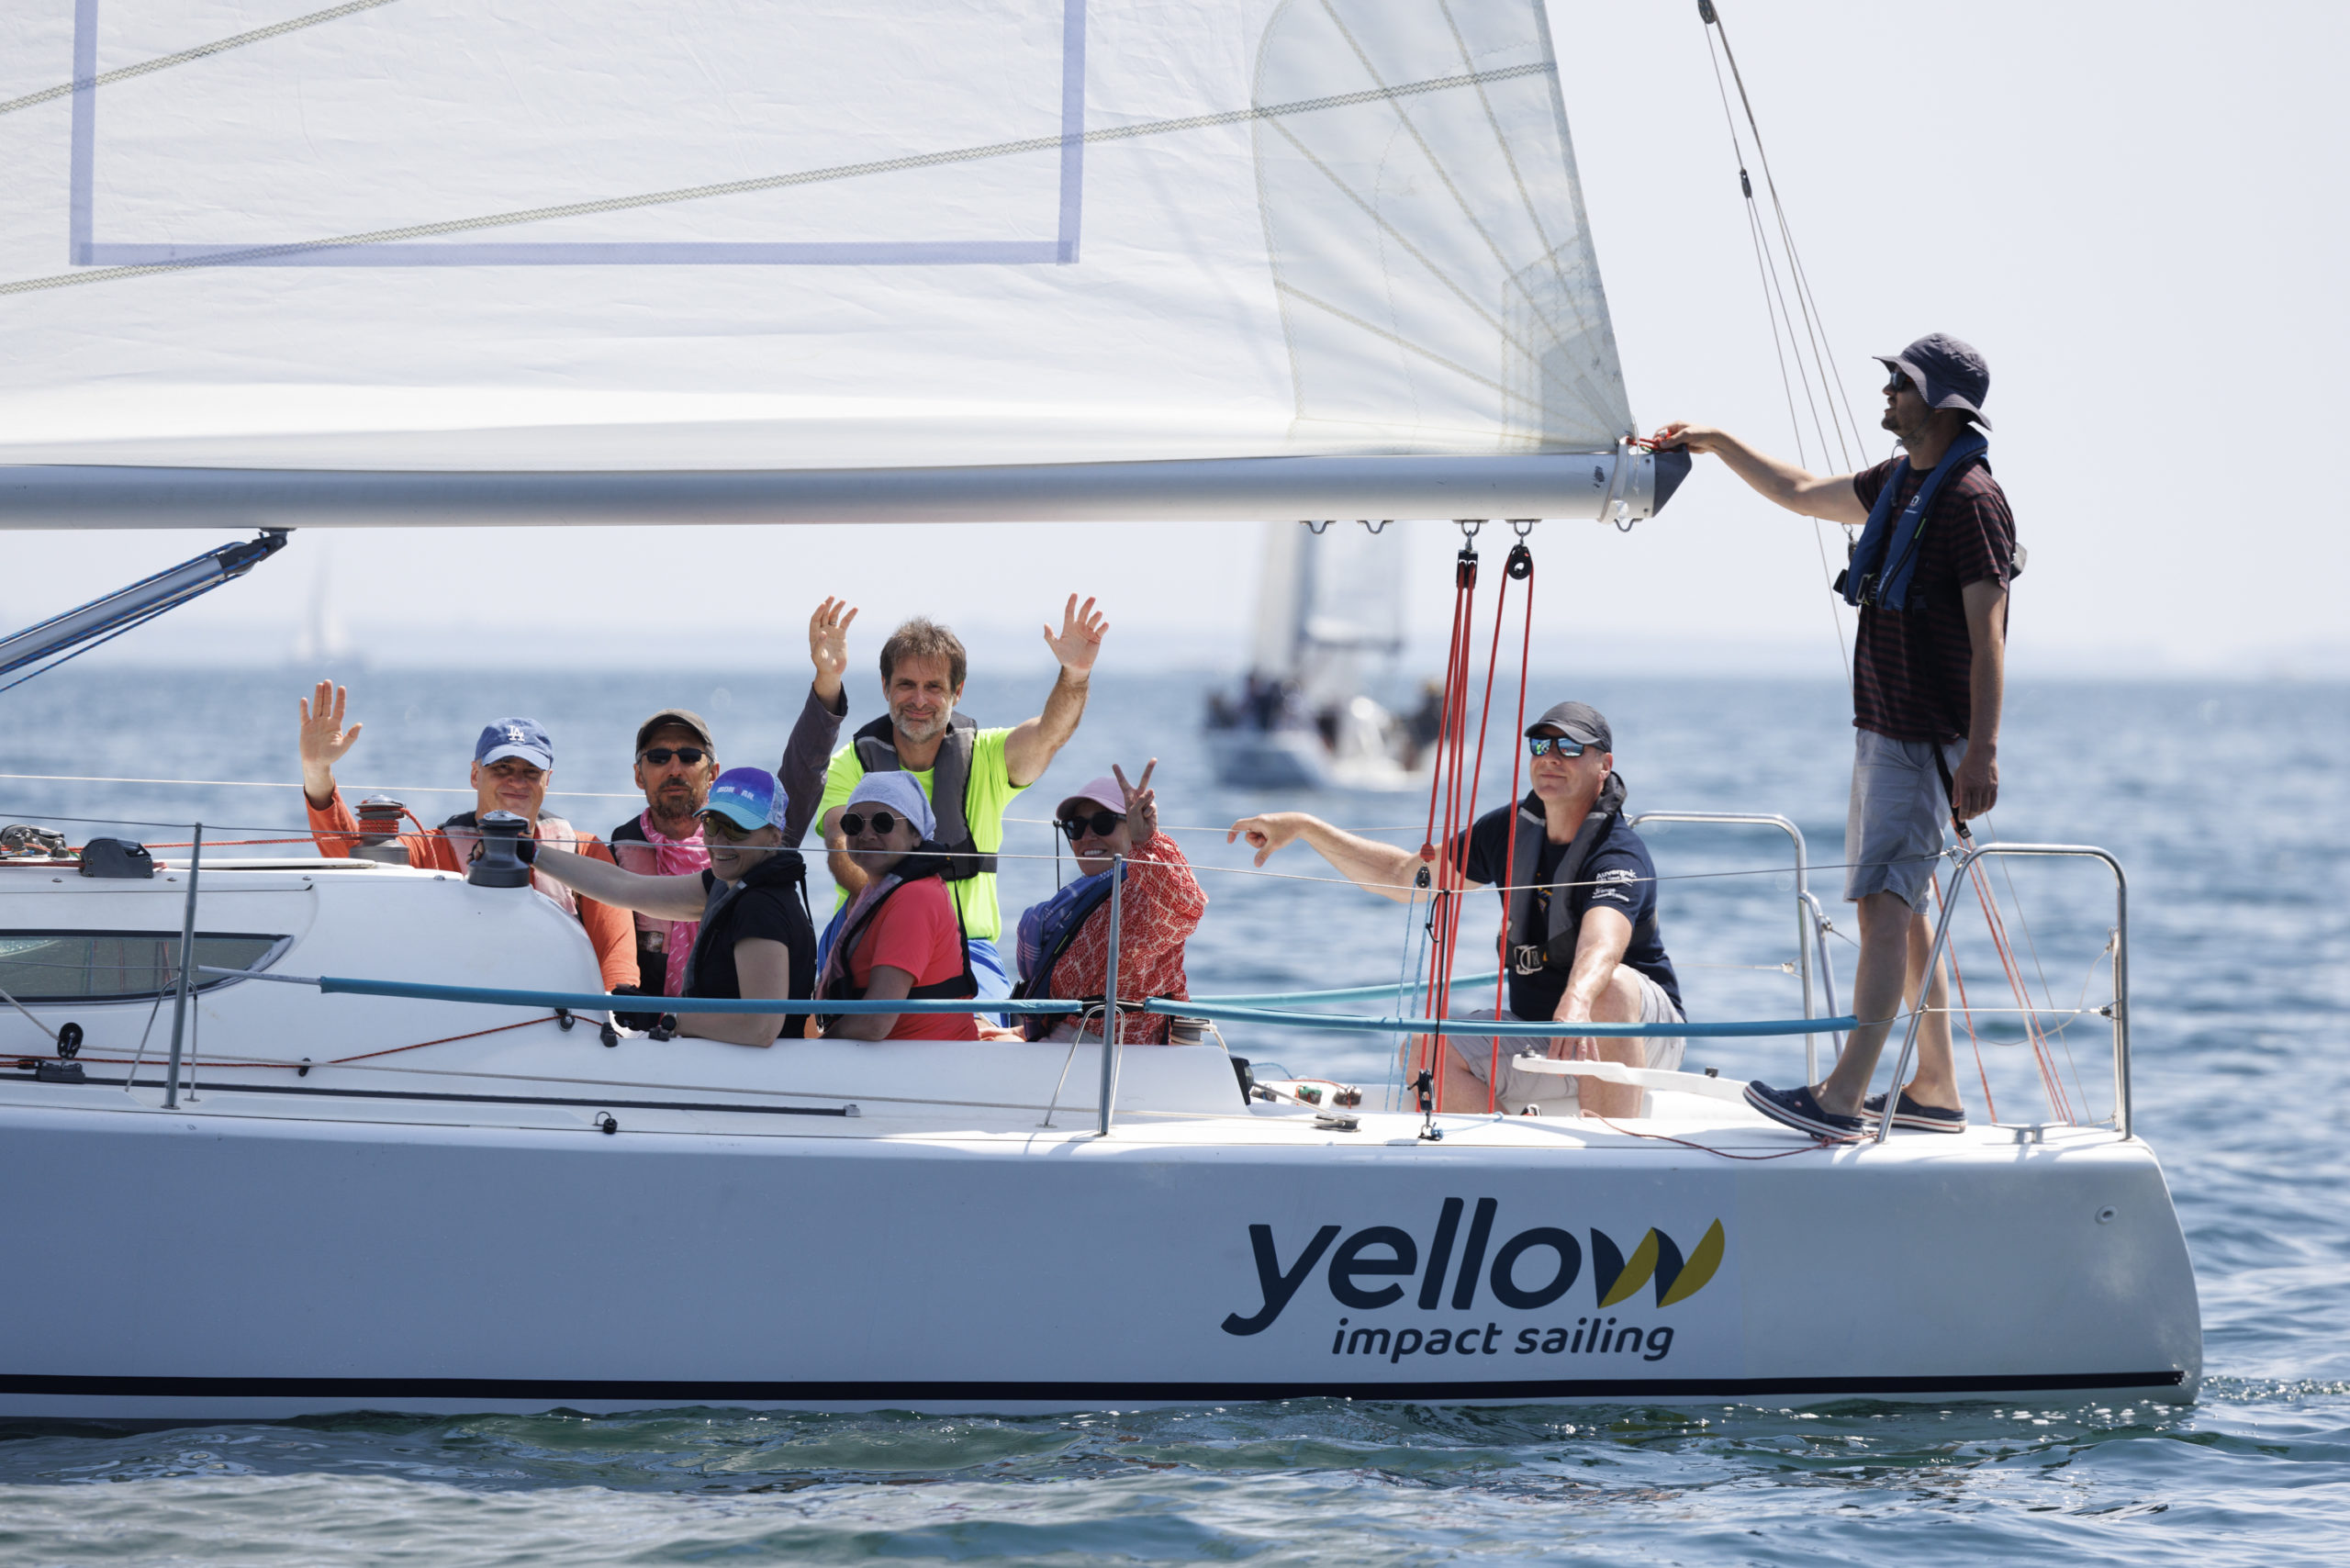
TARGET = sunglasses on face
(853,823)
(659,756)
(1101,823)
(1549,746)
(731,831)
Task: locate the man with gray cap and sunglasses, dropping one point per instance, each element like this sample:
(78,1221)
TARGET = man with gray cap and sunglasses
(1581,899)
(677,759)
(1928,576)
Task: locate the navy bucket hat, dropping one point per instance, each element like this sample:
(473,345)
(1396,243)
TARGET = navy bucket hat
(1947,373)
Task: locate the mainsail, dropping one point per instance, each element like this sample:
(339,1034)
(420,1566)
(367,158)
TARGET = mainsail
(426,261)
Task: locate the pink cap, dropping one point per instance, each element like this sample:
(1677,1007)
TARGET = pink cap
(1102,791)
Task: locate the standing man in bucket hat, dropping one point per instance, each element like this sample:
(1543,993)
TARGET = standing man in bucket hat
(1929,576)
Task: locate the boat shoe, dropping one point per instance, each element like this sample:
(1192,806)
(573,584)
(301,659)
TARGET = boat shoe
(1796,1108)
(1911,1115)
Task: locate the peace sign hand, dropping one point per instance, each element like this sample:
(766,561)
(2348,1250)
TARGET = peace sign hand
(1142,804)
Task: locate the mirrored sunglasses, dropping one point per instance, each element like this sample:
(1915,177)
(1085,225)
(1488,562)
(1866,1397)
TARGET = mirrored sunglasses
(1545,746)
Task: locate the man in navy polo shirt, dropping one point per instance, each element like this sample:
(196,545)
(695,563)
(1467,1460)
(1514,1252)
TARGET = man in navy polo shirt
(1929,576)
(1581,903)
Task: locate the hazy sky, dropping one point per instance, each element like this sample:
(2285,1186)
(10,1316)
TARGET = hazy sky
(2136,212)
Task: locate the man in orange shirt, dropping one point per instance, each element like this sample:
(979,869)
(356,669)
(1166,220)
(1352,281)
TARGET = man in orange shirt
(513,763)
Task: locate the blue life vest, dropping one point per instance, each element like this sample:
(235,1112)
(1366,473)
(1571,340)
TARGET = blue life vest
(1886,557)
(1045,930)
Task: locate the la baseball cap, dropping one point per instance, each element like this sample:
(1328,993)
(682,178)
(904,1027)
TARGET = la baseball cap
(1947,373)
(502,738)
(1578,722)
(750,797)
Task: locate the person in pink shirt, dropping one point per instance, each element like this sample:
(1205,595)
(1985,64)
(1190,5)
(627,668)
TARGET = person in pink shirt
(900,938)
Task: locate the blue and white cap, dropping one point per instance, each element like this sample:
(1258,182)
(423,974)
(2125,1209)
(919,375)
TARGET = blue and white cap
(750,797)
(502,738)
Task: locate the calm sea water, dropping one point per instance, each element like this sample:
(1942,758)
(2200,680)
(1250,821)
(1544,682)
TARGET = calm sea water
(2226,802)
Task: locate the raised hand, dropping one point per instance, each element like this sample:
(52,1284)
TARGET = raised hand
(324,740)
(1267,832)
(1141,803)
(828,645)
(1080,643)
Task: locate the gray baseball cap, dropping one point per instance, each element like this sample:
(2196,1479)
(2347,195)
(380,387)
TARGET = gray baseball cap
(1578,722)
(1947,373)
(679,717)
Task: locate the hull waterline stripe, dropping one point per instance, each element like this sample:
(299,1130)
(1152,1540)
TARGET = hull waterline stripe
(219,1088)
(729,1393)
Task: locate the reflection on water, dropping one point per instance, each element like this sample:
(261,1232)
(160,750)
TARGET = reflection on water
(2224,803)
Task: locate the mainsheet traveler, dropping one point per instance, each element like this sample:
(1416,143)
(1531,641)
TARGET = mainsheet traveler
(1930,577)
(1581,903)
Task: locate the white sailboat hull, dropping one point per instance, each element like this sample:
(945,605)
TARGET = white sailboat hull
(229,1264)
(433,1219)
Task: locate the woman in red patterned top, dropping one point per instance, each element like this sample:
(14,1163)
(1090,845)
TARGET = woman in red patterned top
(1159,907)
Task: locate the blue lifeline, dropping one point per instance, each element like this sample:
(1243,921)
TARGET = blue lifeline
(1879,574)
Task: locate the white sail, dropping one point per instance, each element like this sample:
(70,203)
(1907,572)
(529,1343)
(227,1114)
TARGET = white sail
(425,260)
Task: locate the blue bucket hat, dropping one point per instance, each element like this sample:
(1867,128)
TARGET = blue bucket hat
(502,738)
(750,797)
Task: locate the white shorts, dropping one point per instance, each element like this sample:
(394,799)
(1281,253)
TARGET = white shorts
(1555,1094)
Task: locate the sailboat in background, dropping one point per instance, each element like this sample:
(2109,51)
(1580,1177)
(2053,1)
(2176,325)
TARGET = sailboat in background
(1329,626)
(322,639)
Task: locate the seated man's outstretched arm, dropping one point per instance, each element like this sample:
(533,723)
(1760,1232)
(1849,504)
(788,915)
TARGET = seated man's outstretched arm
(663,898)
(1387,869)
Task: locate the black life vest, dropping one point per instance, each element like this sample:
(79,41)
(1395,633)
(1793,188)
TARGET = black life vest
(1553,947)
(950,782)
(926,860)
(786,868)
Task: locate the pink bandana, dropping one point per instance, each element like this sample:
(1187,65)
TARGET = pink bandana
(675,857)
